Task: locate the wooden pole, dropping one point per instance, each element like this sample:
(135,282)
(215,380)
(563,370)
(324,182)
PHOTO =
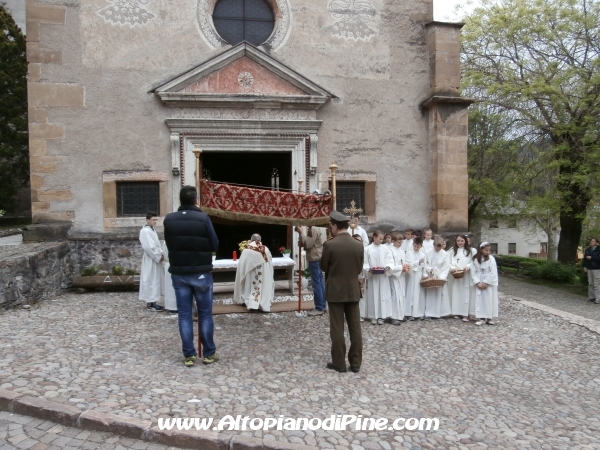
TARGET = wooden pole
(333,167)
(198,153)
(300,260)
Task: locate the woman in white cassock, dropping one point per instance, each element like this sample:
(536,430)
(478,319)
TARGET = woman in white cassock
(378,292)
(435,303)
(168,291)
(397,280)
(462,292)
(484,276)
(151,275)
(415,258)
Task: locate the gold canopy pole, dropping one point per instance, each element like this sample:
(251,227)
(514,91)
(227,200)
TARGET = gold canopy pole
(198,153)
(333,167)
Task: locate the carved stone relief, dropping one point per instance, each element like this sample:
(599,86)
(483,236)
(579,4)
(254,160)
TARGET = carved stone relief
(235,114)
(126,13)
(354,19)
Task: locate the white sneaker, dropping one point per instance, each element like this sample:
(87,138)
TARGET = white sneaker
(374,321)
(379,321)
(480,322)
(362,319)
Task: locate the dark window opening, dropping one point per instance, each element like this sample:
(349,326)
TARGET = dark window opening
(494,249)
(512,249)
(244,20)
(137,199)
(348,192)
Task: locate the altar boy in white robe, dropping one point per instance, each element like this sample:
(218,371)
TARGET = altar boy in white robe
(462,291)
(254,283)
(484,276)
(151,275)
(378,291)
(398,279)
(415,258)
(435,302)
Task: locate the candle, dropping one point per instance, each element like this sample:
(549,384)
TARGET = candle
(234,255)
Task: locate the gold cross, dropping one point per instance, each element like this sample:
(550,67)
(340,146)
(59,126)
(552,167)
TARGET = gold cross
(353,209)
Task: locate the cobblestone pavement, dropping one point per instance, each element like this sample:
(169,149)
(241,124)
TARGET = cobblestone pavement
(22,432)
(564,301)
(531,381)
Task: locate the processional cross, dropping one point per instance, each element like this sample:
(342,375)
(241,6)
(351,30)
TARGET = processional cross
(353,210)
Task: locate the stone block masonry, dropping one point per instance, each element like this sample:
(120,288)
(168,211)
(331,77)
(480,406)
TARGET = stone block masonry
(31,272)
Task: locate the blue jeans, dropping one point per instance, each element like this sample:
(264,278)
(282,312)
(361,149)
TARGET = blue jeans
(200,286)
(316,276)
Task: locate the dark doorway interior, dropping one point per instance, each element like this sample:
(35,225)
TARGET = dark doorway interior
(254,169)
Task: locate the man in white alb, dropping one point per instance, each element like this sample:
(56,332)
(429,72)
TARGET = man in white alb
(151,275)
(254,284)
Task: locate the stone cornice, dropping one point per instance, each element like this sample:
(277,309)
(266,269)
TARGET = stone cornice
(202,100)
(233,127)
(457,100)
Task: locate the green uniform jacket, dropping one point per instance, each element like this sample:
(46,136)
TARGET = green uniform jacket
(342,261)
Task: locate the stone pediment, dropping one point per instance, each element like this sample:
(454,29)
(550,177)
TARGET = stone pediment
(243,77)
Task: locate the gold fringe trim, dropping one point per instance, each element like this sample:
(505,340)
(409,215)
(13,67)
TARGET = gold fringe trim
(244,217)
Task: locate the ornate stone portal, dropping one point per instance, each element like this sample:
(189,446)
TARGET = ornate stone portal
(243,100)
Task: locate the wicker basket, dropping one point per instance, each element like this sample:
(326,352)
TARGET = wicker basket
(458,274)
(432,283)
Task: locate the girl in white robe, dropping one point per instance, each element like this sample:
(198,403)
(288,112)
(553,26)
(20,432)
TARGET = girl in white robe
(415,258)
(397,279)
(377,291)
(168,291)
(151,274)
(484,276)
(434,304)
(462,292)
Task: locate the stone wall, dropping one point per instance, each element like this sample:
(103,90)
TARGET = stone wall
(28,273)
(105,254)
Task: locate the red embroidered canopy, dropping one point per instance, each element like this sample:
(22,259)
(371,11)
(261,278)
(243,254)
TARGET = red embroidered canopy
(264,206)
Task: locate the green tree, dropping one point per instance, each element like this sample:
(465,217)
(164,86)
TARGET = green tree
(492,161)
(14,154)
(538,60)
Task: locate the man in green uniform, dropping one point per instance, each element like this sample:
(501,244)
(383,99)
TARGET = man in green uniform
(342,261)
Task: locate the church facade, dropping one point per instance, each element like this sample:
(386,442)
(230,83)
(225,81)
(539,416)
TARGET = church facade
(121,93)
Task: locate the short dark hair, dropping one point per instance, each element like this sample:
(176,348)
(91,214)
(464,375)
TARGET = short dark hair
(188,195)
(340,225)
(418,241)
(150,215)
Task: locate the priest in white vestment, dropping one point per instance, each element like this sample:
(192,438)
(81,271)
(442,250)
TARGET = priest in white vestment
(168,291)
(378,291)
(462,291)
(484,276)
(254,283)
(435,303)
(151,273)
(398,279)
(415,258)
(356,229)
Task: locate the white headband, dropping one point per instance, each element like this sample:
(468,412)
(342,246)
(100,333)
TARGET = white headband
(484,244)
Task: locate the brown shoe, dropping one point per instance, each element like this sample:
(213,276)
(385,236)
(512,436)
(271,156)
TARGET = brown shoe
(315,312)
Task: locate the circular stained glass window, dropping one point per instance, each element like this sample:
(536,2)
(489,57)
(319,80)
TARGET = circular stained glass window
(244,20)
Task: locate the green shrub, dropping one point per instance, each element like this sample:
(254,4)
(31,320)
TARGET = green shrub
(556,272)
(118,270)
(90,271)
(131,272)
(531,262)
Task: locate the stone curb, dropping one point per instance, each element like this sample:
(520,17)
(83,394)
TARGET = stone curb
(134,428)
(590,324)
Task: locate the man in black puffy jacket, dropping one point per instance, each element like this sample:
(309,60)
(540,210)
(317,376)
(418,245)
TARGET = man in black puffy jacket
(191,239)
(591,264)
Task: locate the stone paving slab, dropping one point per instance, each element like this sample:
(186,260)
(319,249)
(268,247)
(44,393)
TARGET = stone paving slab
(23,432)
(564,301)
(531,381)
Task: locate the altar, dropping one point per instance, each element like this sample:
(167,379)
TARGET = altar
(229,265)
